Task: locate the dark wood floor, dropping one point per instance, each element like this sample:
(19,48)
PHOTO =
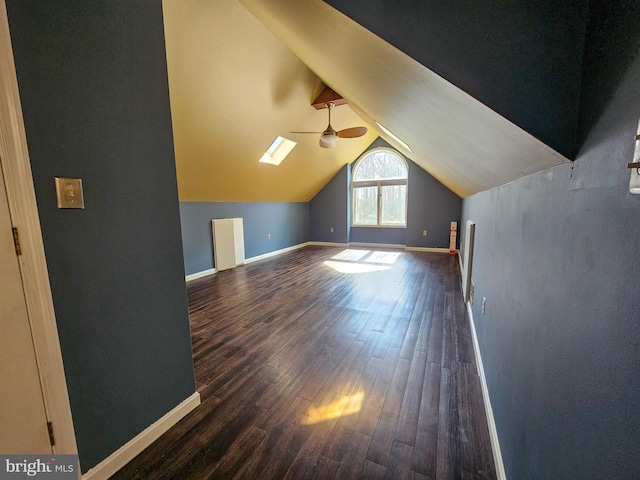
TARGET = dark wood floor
(308,372)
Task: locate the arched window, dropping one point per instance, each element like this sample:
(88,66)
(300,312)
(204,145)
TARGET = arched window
(379,189)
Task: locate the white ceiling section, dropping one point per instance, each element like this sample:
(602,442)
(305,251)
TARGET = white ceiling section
(457,139)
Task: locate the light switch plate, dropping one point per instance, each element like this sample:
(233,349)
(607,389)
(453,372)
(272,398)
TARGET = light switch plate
(69,192)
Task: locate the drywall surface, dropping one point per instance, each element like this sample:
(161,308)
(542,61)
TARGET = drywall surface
(93,85)
(389,236)
(432,207)
(330,209)
(555,258)
(287,224)
(521,59)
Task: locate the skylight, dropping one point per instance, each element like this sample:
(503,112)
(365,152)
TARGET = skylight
(394,137)
(278,150)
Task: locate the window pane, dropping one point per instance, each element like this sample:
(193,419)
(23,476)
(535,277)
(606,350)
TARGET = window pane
(365,206)
(394,205)
(380,165)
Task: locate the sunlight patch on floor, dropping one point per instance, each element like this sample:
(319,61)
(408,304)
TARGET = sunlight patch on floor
(345,267)
(362,261)
(345,405)
(383,257)
(351,255)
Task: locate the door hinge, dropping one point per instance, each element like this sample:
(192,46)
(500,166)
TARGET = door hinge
(16,241)
(52,439)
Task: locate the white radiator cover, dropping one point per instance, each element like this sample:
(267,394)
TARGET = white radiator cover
(228,243)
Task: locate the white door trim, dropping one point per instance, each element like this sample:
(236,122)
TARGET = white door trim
(33,267)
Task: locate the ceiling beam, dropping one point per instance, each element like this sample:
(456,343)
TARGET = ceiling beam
(328,96)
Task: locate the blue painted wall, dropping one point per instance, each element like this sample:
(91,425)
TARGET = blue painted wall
(431,207)
(329,208)
(556,258)
(95,98)
(286,222)
(391,236)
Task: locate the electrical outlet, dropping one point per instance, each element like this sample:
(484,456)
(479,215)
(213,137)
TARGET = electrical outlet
(268,236)
(424,233)
(331,229)
(484,304)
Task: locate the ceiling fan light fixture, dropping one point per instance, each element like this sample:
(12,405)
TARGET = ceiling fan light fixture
(329,137)
(328,141)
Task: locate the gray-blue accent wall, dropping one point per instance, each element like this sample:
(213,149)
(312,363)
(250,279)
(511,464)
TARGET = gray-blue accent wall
(286,222)
(329,208)
(556,258)
(430,206)
(95,98)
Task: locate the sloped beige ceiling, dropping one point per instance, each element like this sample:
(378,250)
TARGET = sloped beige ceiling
(457,139)
(234,87)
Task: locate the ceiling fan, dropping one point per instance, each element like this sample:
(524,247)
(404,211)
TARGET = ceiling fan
(329,137)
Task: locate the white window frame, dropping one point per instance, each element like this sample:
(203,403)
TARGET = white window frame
(379,184)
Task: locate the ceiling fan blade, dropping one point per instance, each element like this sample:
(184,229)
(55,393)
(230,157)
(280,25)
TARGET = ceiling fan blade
(316,133)
(324,144)
(352,132)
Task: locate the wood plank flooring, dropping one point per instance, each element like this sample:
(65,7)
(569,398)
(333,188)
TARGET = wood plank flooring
(329,363)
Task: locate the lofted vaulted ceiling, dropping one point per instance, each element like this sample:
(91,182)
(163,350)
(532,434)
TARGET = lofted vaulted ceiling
(241,73)
(234,87)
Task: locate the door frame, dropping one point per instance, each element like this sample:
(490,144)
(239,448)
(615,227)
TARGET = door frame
(23,210)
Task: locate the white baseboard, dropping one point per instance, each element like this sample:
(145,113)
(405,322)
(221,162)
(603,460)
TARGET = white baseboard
(328,244)
(382,245)
(493,432)
(133,447)
(427,249)
(376,245)
(211,271)
(204,273)
(275,252)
